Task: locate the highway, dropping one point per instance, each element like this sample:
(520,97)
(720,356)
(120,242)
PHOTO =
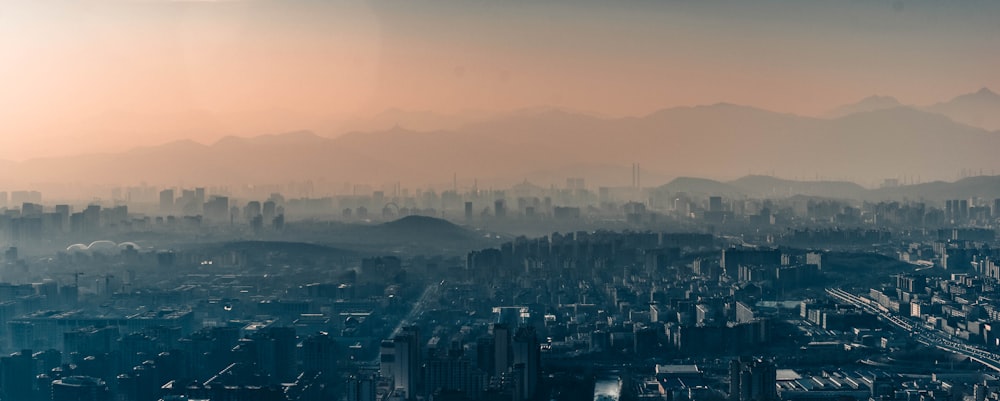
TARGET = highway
(418,308)
(429,293)
(922,334)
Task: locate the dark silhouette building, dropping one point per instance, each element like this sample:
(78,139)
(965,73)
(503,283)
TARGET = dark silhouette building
(752,379)
(527,358)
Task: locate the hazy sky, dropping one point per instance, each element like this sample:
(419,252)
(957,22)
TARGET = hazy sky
(89,75)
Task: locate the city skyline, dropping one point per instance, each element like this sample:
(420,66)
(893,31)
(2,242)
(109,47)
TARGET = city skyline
(499,200)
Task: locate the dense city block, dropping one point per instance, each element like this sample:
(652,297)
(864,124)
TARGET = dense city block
(204,295)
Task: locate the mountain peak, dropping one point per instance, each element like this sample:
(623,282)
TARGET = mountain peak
(979,109)
(984,94)
(984,91)
(870,103)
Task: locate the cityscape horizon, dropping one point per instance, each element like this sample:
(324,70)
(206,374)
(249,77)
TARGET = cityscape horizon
(517,200)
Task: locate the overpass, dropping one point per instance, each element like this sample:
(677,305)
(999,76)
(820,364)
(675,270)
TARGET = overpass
(920,333)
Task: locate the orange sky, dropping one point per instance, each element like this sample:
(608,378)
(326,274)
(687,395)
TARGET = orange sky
(108,75)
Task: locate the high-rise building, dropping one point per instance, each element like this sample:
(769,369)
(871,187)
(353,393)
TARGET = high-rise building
(501,348)
(32,210)
(251,210)
(90,340)
(361,388)
(499,209)
(484,355)
(453,373)
(63,211)
(387,359)
(92,218)
(752,379)
(468,210)
(199,195)
(715,204)
(319,354)
(217,209)
(406,348)
(17,372)
(269,210)
(275,349)
(527,355)
(167,201)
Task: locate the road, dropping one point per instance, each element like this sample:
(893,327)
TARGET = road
(922,334)
(418,308)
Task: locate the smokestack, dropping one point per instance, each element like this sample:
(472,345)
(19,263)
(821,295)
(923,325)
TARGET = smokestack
(633,175)
(638,176)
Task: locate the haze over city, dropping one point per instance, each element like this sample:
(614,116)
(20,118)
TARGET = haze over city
(109,76)
(499,200)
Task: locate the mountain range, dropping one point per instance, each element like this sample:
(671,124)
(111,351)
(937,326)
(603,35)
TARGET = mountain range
(545,146)
(980,109)
(759,186)
(871,103)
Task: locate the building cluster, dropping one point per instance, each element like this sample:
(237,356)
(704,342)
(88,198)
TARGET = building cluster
(686,298)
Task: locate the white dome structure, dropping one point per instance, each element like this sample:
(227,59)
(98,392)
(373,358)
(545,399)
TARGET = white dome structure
(103,246)
(76,248)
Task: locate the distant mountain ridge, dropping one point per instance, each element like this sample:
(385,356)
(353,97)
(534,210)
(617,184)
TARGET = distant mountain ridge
(721,140)
(759,186)
(871,103)
(978,109)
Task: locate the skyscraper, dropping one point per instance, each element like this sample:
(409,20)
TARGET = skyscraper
(16,374)
(167,201)
(501,348)
(752,379)
(715,204)
(361,388)
(527,357)
(499,209)
(269,210)
(320,354)
(387,359)
(407,361)
(217,208)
